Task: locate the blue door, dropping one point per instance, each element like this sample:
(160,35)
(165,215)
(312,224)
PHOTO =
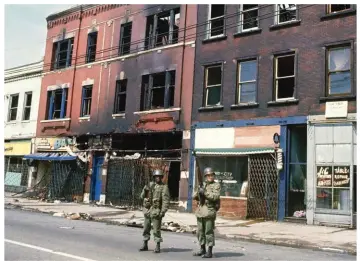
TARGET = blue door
(96,178)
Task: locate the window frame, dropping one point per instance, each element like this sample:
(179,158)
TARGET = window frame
(121,44)
(56,54)
(88,47)
(13,108)
(64,97)
(241,20)
(327,73)
(238,80)
(86,99)
(118,95)
(328,8)
(205,96)
(277,15)
(275,83)
(209,20)
(26,95)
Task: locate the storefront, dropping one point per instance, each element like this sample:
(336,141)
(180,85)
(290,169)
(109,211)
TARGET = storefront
(331,183)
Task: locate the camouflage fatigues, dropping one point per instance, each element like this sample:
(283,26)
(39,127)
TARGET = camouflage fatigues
(206,214)
(155,209)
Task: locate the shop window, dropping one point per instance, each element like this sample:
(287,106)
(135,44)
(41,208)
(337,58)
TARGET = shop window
(125,38)
(247,82)
(120,96)
(216,24)
(62,54)
(249,17)
(91,47)
(27,106)
(56,103)
(213,81)
(331,9)
(285,77)
(86,101)
(162,29)
(158,90)
(230,172)
(285,13)
(339,71)
(13,107)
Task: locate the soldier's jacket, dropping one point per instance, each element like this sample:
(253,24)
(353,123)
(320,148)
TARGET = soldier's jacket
(212,195)
(158,202)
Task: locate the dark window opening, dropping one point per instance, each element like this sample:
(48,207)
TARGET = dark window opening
(217,20)
(337,8)
(285,77)
(91,47)
(162,29)
(14,103)
(125,38)
(27,106)
(86,101)
(286,13)
(249,17)
(120,96)
(213,81)
(62,54)
(57,103)
(158,90)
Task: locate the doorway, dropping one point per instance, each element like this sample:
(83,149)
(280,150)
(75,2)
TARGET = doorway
(96,182)
(174,180)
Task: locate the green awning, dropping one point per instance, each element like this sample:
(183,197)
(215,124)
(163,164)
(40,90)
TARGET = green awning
(234,151)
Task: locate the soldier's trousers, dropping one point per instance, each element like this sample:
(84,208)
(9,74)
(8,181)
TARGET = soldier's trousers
(205,231)
(156,222)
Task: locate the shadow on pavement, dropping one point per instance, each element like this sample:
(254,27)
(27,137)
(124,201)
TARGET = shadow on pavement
(227,254)
(175,250)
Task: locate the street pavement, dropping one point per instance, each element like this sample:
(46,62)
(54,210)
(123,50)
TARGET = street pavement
(37,236)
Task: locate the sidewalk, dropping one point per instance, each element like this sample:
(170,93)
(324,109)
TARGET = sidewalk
(286,234)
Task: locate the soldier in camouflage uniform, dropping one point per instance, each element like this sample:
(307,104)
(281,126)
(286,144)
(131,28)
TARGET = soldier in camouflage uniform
(206,214)
(156,200)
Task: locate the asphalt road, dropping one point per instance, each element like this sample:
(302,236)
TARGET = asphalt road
(35,236)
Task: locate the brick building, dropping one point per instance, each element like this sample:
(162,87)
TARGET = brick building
(117,81)
(276,84)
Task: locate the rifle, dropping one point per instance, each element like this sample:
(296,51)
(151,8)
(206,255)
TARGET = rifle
(200,181)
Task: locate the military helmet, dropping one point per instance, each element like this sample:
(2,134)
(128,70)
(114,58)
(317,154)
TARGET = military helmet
(209,171)
(157,172)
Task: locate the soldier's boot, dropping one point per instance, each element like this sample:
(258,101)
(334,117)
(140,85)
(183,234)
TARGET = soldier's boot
(201,252)
(157,248)
(208,253)
(144,247)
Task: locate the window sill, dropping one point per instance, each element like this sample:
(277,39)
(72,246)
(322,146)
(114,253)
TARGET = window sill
(214,39)
(338,15)
(11,122)
(246,33)
(25,121)
(118,115)
(56,120)
(244,106)
(284,102)
(157,111)
(85,118)
(211,108)
(230,197)
(285,25)
(338,98)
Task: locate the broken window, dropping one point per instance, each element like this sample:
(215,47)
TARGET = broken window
(14,103)
(286,13)
(285,76)
(57,102)
(249,17)
(247,82)
(86,101)
(27,106)
(158,90)
(62,54)
(125,38)
(337,8)
(120,96)
(213,79)
(162,29)
(91,47)
(216,20)
(339,70)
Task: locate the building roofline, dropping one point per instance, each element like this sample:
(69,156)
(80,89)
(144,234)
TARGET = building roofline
(25,70)
(68,11)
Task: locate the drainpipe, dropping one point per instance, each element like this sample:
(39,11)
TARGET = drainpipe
(182,58)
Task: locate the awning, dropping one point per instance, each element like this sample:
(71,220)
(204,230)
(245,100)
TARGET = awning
(50,156)
(233,151)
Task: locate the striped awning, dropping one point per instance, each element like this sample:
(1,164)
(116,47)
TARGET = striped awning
(50,156)
(234,151)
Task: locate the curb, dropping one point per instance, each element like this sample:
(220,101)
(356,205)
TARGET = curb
(293,244)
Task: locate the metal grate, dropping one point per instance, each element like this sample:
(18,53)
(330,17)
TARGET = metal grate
(16,174)
(263,187)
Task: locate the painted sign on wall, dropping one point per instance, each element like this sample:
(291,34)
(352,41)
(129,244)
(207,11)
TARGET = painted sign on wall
(53,143)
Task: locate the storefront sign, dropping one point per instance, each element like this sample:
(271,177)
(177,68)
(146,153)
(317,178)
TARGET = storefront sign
(342,176)
(255,136)
(53,143)
(224,175)
(324,176)
(337,109)
(17,148)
